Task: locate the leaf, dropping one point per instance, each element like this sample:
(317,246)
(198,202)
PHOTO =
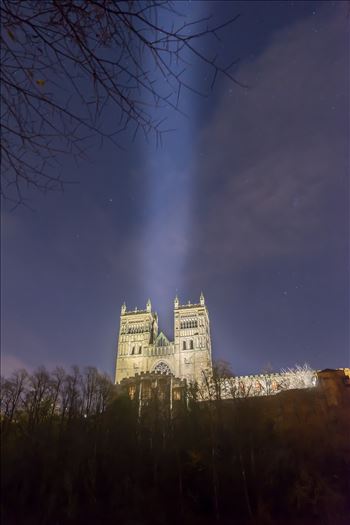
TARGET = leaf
(40,82)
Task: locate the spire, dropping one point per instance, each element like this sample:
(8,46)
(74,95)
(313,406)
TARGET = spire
(123,310)
(149,306)
(176,302)
(201,299)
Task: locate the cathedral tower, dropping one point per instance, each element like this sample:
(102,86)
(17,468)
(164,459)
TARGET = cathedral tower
(137,331)
(142,349)
(192,339)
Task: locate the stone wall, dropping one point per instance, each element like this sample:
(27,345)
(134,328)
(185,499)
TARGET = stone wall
(256,385)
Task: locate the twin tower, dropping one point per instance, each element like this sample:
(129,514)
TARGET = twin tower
(143,348)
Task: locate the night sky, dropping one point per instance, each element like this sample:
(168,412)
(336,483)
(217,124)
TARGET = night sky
(247,200)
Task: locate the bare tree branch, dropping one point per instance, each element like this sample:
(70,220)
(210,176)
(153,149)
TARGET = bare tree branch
(65,63)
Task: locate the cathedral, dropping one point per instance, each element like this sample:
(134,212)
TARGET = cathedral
(143,348)
(147,358)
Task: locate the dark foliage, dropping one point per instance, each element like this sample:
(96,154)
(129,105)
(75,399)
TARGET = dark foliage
(276,460)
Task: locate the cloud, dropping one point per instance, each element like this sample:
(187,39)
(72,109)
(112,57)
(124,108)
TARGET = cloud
(11,363)
(274,157)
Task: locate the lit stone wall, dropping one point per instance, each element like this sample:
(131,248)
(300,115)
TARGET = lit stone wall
(256,385)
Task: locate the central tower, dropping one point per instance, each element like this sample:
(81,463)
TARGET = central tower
(142,349)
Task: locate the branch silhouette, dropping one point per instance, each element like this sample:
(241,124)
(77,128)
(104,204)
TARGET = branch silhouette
(67,63)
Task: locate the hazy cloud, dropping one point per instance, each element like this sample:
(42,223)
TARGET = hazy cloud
(274,157)
(11,363)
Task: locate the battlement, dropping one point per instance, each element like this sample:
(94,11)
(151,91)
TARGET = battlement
(148,309)
(255,385)
(188,306)
(135,311)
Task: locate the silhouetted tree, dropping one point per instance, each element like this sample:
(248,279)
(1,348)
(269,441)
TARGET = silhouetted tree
(268,459)
(12,390)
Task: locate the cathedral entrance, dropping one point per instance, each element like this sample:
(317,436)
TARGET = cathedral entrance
(162,368)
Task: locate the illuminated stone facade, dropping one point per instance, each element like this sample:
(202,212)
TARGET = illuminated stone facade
(296,378)
(142,348)
(166,393)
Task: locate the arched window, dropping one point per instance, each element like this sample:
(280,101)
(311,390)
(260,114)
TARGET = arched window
(191,344)
(133,350)
(162,368)
(140,349)
(183,345)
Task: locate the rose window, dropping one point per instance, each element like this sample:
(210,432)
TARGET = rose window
(162,368)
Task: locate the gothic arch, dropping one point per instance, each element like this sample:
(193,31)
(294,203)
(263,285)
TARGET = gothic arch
(162,368)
